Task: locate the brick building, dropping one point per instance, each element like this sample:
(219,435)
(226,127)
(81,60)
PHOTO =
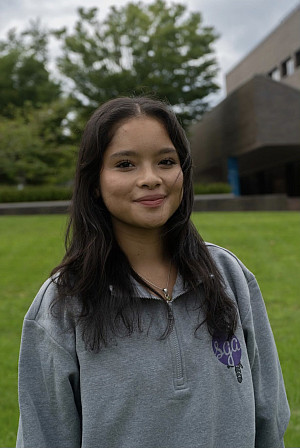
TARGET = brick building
(253,136)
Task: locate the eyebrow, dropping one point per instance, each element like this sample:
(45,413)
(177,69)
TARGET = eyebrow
(130,153)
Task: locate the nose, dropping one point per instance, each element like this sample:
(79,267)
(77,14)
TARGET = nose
(148,178)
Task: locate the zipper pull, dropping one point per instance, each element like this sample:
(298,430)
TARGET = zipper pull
(168,298)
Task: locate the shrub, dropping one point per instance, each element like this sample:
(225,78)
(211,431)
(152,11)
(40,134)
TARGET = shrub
(34,193)
(55,193)
(213,188)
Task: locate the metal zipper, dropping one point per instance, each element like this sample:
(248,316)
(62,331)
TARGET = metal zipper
(179,380)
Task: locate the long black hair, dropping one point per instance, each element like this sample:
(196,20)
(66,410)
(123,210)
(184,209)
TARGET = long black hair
(94,261)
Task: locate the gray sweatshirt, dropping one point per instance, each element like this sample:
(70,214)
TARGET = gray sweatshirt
(179,392)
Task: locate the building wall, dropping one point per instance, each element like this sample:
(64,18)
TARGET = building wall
(277,113)
(277,56)
(228,130)
(259,125)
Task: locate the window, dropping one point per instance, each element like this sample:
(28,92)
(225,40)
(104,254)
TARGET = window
(275,74)
(297,58)
(287,67)
(290,65)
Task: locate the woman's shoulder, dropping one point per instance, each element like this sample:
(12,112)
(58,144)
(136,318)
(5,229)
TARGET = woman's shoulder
(228,262)
(240,283)
(42,301)
(55,320)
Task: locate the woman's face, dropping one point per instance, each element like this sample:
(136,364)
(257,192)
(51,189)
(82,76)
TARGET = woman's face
(141,177)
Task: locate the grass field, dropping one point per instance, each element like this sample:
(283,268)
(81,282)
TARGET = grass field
(268,243)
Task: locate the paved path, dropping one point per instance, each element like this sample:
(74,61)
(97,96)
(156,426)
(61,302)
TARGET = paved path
(34,208)
(211,202)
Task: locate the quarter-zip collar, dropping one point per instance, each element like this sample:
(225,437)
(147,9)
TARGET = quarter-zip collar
(178,290)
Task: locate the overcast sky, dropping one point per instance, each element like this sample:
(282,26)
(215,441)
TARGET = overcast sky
(242,24)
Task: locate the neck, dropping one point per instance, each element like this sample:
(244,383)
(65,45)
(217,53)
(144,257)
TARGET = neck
(141,246)
(146,254)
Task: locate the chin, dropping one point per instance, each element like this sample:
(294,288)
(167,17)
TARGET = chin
(153,224)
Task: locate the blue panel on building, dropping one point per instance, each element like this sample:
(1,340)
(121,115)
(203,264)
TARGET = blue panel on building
(233,175)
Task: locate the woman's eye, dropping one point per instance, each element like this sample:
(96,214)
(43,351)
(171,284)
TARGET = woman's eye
(124,164)
(167,162)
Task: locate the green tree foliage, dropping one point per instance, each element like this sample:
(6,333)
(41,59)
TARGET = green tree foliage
(36,141)
(23,70)
(141,49)
(136,49)
(35,146)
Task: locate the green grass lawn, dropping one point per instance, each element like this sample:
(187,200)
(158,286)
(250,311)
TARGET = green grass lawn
(268,243)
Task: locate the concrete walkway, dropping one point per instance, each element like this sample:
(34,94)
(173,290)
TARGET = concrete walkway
(272,202)
(34,208)
(205,203)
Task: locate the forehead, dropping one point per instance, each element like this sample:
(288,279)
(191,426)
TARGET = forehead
(138,128)
(139,136)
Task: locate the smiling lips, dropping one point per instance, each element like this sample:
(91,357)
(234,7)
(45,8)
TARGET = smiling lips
(151,200)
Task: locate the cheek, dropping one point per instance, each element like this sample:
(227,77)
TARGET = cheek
(179,187)
(106,182)
(106,185)
(111,188)
(179,184)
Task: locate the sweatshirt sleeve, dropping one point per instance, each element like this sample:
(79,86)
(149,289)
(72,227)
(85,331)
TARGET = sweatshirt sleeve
(272,409)
(48,390)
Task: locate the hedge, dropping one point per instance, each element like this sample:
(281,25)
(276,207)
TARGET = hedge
(213,188)
(34,193)
(54,193)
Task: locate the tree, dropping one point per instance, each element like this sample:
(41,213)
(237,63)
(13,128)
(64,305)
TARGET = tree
(23,70)
(35,146)
(141,49)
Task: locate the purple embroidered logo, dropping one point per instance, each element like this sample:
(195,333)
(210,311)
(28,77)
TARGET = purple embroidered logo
(229,352)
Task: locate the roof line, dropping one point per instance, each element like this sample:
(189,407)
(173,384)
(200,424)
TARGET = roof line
(282,21)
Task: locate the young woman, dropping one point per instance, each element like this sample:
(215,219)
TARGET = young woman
(145,336)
